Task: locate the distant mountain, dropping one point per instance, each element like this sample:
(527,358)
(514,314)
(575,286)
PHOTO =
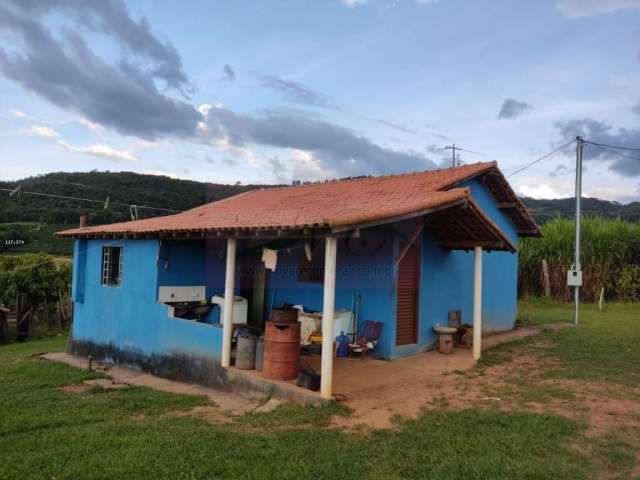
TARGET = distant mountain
(543,210)
(35,217)
(120,187)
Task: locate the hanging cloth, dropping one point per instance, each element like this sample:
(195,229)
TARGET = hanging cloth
(270,258)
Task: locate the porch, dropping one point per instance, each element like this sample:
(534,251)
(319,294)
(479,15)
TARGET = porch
(325,363)
(370,385)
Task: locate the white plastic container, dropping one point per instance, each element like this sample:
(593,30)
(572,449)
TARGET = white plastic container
(240,307)
(342,322)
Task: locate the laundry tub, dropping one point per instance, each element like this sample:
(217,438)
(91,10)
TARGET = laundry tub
(240,307)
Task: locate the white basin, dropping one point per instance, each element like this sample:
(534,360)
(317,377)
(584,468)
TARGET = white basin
(443,330)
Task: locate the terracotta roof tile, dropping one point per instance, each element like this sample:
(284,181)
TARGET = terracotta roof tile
(327,204)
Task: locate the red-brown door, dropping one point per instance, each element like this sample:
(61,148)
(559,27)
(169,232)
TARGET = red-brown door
(407,309)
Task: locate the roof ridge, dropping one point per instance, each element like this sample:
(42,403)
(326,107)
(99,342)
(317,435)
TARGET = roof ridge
(370,177)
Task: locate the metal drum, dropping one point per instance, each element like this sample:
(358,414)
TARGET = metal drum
(246,352)
(259,353)
(281,351)
(284,315)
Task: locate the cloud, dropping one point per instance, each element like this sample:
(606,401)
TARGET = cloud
(168,173)
(112,18)
(307,167)
(44,132)
(123,95)
(513,108)
(587,8)
(445,156)
(354,3)
(542,191)
(396,126)
(236,150)
(561,171)
(333,148)
(297,93)
(68,74)
(94,127)
(228,73)
(624,162)
(636,109)
(21,114)
(279,169)
(102,151)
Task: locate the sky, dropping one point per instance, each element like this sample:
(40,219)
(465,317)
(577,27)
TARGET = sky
(272,92)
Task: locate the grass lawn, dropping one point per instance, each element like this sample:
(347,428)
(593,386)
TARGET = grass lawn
(134,432)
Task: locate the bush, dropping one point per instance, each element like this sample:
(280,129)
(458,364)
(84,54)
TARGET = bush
(629,283)
(33,274)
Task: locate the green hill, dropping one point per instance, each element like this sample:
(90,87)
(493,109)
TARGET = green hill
(123,187)
(34,218)
(544,210)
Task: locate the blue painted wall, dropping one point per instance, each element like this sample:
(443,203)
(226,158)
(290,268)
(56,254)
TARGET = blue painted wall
(129,316)
(447,278)
(182,263)
(358,272)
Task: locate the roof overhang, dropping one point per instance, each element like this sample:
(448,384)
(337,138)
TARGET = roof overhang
(506,199)
(458,225)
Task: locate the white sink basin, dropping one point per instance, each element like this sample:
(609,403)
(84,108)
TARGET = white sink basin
(443,330)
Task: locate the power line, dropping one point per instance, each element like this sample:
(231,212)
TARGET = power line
(612,146)
(106,202)
(611,150)
(530,164)
(471,151)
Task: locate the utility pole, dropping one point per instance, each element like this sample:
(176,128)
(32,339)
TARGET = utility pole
(453,152)
(574,278)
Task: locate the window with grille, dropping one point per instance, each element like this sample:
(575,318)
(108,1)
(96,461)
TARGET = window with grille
(111,266)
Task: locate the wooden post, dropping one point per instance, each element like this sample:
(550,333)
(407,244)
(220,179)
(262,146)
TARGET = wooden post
(545,278)
(23,316)
(477,304)
(328,307)
(227,320)
(4,326)
(601,299)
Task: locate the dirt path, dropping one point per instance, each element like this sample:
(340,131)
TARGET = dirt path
(379,391)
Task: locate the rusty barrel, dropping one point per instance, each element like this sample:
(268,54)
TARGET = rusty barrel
(284,315)
(281,351)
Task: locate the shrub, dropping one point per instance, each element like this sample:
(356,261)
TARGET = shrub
(33,274)
(629,283)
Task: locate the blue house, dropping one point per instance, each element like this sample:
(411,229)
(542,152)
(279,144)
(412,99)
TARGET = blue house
(403,250)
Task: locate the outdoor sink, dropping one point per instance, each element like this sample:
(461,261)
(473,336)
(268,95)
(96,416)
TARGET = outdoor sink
(442,330)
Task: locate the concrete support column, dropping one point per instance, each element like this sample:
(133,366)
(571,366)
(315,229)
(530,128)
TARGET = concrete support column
(328,307)
(227,318)
(477,304)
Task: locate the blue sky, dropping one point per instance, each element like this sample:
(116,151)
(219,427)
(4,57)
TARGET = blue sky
(263,92)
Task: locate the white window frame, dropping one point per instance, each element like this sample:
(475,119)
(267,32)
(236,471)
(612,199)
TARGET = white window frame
(110,275)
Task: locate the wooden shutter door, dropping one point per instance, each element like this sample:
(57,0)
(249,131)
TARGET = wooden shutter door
(407,294)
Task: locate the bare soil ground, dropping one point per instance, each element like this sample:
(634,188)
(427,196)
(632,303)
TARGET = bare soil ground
(518,384)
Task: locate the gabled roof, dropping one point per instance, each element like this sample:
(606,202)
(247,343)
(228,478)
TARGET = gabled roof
(330,206)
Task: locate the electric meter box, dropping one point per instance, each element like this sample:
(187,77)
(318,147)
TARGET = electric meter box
(574,278)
